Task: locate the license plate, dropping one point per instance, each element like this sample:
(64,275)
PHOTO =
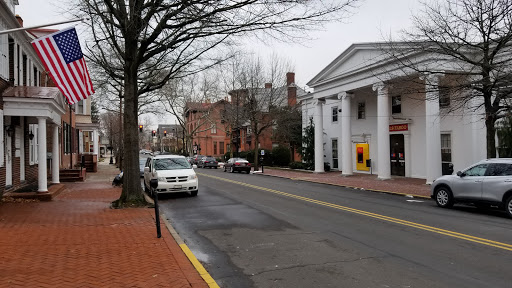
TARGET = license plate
(177,186)
(243,164)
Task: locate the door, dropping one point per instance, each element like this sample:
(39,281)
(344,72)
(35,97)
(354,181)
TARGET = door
(397,154)
(8,160)
(497,181)
(334,153)
(469,185)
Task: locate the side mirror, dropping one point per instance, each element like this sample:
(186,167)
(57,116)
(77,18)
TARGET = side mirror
(146,169)
(461,174)
(194,166)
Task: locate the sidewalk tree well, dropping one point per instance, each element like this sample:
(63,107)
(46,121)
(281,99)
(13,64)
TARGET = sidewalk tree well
(468,43)
(141,45)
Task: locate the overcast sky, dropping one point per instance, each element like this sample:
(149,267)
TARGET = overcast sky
(366,24)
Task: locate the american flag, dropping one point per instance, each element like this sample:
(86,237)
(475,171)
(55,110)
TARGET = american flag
(62,56)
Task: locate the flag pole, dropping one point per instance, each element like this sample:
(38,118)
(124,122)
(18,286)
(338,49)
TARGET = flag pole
(39,26)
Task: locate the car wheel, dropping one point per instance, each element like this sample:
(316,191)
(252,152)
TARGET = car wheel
(231,170)
(508,206)
(248,171)
(194,193)
(215,167)
(443,197)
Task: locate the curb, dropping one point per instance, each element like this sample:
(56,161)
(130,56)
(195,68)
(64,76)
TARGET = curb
(352,187)
(190,256)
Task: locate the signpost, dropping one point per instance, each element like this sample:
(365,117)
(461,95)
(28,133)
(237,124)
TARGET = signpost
(153,183)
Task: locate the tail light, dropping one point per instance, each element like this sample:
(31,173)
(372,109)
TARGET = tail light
(237,164)
(248,164)
(206,161)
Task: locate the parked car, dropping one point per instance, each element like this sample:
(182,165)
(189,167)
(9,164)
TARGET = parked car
(142,164)
(237,164)
(174,174)
(208,162)
(196,158)
(484,184)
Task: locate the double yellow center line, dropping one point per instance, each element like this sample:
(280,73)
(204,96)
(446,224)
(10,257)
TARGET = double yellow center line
(470,238)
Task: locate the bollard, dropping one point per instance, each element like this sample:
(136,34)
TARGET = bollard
(154,184)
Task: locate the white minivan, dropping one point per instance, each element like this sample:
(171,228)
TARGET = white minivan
(174,172)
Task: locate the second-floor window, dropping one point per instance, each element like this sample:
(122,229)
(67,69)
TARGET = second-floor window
(214,129)
(80,107)
(221,147)
(335,114)
(396,104)
(361,110)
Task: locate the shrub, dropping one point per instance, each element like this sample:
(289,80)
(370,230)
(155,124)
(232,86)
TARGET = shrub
(281,156)
(296,165)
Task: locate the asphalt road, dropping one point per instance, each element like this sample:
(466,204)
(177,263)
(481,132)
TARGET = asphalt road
(261,231)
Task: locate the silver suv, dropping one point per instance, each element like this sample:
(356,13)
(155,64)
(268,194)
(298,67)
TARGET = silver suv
(486,183)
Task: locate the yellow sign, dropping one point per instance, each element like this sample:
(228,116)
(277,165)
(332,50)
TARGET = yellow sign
(362,154)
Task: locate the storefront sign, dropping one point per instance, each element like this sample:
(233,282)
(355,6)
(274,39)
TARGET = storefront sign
(398,127)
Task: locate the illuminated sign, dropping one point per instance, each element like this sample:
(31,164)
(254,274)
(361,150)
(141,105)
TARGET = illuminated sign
(398,127)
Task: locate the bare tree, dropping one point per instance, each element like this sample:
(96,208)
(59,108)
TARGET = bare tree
(473,37)
(144,44)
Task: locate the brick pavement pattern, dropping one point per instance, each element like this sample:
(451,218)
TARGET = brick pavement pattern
(397,185)
(76,240)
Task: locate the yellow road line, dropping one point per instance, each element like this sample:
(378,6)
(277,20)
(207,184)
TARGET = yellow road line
(199,267)
(462,236)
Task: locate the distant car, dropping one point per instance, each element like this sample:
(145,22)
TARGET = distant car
(484,184)
(208,162)
(190,160)
(196,158)
(142,163)
(174,174)
(237,164)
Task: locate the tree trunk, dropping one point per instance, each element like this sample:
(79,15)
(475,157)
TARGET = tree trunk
(490,134)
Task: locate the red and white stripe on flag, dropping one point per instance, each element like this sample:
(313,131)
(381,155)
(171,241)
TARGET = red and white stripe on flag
(62,56)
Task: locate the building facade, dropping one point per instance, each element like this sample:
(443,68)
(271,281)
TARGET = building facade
(373,116)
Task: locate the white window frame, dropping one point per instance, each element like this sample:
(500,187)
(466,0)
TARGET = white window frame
(334,114)
(363,110)
(33,144)
(2,144)
(214,129)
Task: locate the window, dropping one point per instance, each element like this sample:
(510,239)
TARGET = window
(214,148)
(335,114)
(87,141)
(444,97)
(228,147)
(80,107)
(33,145)
(335,153)
(221,147)
(361,110)
(214,129)
(446,148)
(396,104)
(499,169)
(478,170)
(67,138)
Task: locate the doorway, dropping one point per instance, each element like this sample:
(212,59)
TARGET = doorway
(397,154)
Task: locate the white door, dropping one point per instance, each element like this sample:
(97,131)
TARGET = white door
(8,160)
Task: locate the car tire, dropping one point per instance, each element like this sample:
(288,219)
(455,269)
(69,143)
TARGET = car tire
(444,197)
(508,206)
(194,193)
(215,167)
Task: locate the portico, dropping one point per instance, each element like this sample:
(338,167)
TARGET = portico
(391,122)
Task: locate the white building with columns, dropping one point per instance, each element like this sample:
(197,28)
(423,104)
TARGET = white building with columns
(366,106)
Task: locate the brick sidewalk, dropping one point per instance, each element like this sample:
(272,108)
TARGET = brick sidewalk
(76,240)
(396,185)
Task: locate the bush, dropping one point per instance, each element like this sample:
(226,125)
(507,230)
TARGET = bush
(281,156)
(296,165)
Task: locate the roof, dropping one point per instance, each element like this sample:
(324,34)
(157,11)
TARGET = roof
(33,92)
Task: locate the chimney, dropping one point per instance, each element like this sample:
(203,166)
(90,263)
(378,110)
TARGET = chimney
(20,20)
(292,88)
(268,85)
(290,78)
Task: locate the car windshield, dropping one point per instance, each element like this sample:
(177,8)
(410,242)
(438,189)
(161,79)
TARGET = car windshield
(240,160)
(171,164)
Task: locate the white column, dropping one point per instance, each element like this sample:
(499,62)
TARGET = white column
(383,113)
(433,128)
(346,134)
(319,136)
(407,152)
(41,152)
(55,155)
(96,142)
